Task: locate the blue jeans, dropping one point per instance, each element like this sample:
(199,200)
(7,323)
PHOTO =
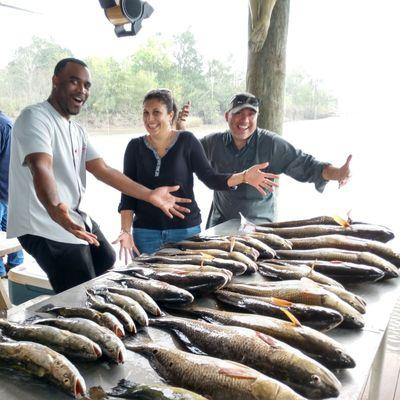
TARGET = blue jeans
(150,240)
(13,259)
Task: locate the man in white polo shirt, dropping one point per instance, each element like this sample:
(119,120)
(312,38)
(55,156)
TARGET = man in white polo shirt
(50,154)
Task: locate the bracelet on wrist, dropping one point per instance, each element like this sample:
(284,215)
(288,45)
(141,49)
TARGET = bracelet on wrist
(244,180)
(125,231)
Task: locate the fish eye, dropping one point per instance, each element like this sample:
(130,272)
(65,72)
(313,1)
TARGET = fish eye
(66,381)
(315,379)
(155,351)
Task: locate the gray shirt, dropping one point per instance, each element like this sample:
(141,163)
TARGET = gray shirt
(41,129)
(262,146)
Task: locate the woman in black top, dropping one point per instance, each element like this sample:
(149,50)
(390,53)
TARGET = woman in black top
(166,157)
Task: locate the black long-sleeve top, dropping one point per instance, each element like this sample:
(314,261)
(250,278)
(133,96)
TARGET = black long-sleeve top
(185,157)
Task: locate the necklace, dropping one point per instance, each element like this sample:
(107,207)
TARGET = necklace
(162,148)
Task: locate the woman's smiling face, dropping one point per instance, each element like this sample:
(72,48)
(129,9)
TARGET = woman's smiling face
(156,118)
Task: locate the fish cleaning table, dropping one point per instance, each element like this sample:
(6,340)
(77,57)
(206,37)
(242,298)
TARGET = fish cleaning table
(363,345)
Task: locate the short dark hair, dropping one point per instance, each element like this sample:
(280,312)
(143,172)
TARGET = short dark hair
(165,96)
(62,64)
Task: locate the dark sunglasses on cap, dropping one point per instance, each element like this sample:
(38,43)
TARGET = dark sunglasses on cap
(241,99)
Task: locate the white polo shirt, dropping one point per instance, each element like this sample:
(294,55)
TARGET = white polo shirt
(41,129)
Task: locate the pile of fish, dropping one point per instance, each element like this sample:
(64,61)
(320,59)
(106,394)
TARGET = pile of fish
(278,287)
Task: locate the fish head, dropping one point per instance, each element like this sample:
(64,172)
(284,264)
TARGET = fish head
(342,360)
(69,377)
(312,379)
(91,348)
(323,384)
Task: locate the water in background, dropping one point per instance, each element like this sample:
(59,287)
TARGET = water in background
(370,195)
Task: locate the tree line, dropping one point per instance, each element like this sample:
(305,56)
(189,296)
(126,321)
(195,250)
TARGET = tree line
(118,86)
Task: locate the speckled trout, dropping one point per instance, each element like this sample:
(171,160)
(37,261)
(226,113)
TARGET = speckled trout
(62,341)
(43,362)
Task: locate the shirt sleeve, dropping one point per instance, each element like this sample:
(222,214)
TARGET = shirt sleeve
(299,165)
(91,152)
(32,132)
(128,202)
(4,137)
(202,168)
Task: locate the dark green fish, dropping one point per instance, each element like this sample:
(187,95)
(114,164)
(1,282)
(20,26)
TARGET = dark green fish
(275,241)
(183,257)
(315,344)
(159,291)
(320,318)
(284,272)
(256,350)
(365,231)
(194,282)
(349,243)
(365,258)
(338,270)
(130,390)
(209,376)
(305,292)
(223,244)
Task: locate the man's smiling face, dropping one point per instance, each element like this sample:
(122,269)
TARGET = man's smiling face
(242,125)
(71,89)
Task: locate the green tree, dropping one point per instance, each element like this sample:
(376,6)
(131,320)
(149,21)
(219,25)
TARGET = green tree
(307,98)
(26,79)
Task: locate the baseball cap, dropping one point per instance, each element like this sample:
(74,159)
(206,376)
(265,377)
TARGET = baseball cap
(243,100)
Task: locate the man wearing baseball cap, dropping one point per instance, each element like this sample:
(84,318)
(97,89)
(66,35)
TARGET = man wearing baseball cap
(244,144)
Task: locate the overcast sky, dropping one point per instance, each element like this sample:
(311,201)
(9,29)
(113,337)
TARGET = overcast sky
(351,45)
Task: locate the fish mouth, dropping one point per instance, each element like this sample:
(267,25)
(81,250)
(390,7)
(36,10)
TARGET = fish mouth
(97,351)
(79,388)
(119,332)
(120,357)
(347,361)
(390,274)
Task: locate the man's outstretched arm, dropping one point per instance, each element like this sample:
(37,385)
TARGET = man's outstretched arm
(160,197)
(41,167)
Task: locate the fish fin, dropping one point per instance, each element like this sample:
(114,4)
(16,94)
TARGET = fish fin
(291,317)
(237,372)
(46,308)
(349,219)
(309,281)
(232,246)
(97,393)
(340,221)
(313,265)
(268,339)
(207,256)
(245,225)
(281,302)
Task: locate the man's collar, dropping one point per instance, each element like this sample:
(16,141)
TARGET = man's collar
(228,139)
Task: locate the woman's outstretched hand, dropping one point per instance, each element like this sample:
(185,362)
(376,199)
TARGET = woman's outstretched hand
(127,246)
